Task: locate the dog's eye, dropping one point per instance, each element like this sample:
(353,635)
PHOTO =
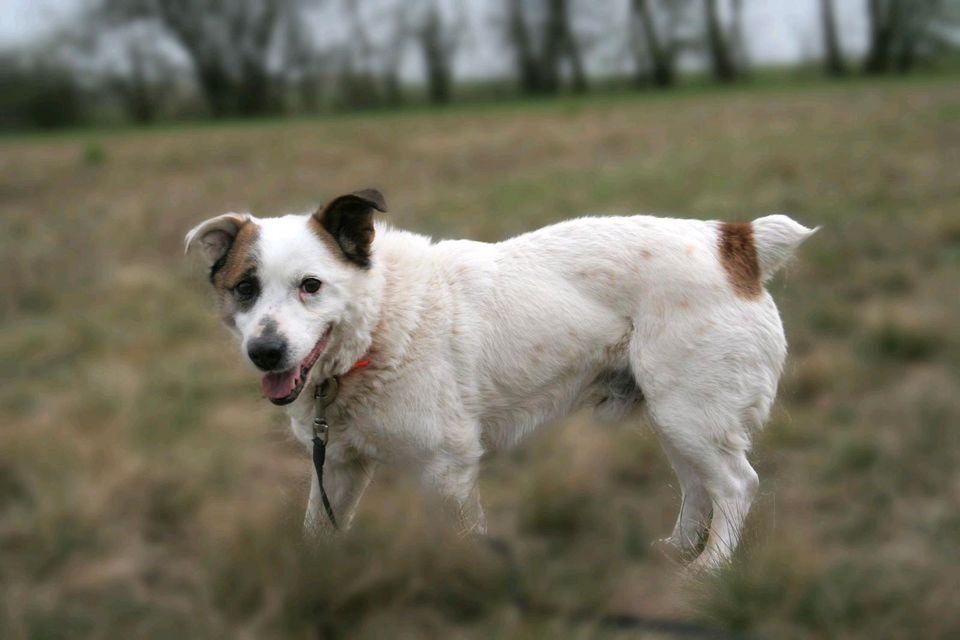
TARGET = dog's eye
(245,289)
(310,285)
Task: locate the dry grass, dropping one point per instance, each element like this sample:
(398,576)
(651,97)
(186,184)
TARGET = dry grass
(146,491)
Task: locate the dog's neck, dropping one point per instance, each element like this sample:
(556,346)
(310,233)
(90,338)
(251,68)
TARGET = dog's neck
(386,314)
(404,283)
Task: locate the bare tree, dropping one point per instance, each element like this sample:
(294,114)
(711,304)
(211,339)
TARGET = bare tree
(884,16)
(718,44)
(660,61)
(388,55)
(228,43)
(371,56)
(139,88)
(438,43)
(929,29)
(303,64)
(520,38)
(143,78)
(905,32)
(738,37)
(658,38)
(832,55)
(560,45)
(544,43)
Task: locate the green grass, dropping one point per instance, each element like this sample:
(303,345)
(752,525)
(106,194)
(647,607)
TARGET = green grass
(146,490)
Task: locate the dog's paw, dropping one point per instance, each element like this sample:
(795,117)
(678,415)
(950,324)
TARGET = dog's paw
(675,551)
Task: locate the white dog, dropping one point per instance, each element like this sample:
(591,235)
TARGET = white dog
(469,346)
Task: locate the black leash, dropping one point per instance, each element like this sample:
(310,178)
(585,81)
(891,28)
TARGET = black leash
(325,394)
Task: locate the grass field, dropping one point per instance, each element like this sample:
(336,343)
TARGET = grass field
(146,490)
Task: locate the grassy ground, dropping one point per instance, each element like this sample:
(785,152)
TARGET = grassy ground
(147,491)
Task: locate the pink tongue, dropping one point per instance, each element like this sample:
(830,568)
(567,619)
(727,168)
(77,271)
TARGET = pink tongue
(280,384)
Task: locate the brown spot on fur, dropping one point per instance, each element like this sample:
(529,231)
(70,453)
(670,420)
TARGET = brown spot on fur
(239,257)
(690,249)
(738,254)
(538,348)
(646,254)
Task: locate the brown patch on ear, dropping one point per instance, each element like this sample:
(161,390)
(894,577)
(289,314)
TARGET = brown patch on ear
(738,254)
(346,225)
(238,260)
(328,240)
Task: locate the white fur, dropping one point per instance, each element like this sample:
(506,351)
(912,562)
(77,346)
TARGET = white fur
(474,345)
(777,238)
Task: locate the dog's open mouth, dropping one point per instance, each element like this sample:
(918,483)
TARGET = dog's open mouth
(283,387)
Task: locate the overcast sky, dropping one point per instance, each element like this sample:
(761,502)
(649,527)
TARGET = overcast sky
(780,31)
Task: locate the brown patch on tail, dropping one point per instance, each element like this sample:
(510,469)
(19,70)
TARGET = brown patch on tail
(738,254)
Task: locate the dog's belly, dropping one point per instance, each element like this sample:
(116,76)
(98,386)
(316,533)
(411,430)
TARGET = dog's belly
(613,393)
(513,414)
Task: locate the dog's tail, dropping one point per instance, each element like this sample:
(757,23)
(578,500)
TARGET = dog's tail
(777,238)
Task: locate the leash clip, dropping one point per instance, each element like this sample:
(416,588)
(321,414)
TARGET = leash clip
(321,429)
(326,392)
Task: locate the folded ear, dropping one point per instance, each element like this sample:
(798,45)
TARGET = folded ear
(349,220)
(215,235)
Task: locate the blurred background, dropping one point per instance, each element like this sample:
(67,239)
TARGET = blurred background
(146,490)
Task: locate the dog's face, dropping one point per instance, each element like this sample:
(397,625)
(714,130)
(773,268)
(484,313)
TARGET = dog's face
(285,285)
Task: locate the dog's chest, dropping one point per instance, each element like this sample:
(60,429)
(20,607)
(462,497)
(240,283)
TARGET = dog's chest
(376,429)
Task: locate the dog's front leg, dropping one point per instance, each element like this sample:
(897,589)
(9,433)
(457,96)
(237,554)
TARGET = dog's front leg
(345,482)
(456,481)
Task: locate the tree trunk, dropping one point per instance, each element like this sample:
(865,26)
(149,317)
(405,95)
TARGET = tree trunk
(436,57)
(559,46)
(254,92)
(721,61)
(660,61)
(736,43)
(577,72)
(578,75)
(884,21)
(518,32)
(832,56)
(215,87)
(553,36)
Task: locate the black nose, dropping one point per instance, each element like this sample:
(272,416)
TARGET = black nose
(267,352)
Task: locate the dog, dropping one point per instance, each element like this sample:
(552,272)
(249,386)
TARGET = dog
(445,351)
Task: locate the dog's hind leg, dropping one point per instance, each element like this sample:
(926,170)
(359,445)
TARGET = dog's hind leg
(708,387)
(693,520)
(707,451)
(733,484)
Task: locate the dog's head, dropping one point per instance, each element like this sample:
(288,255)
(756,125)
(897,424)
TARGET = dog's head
(289,287)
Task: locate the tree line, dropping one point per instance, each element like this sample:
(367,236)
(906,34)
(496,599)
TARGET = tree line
(149,59)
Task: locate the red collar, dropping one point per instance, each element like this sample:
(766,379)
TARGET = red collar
(359,364)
